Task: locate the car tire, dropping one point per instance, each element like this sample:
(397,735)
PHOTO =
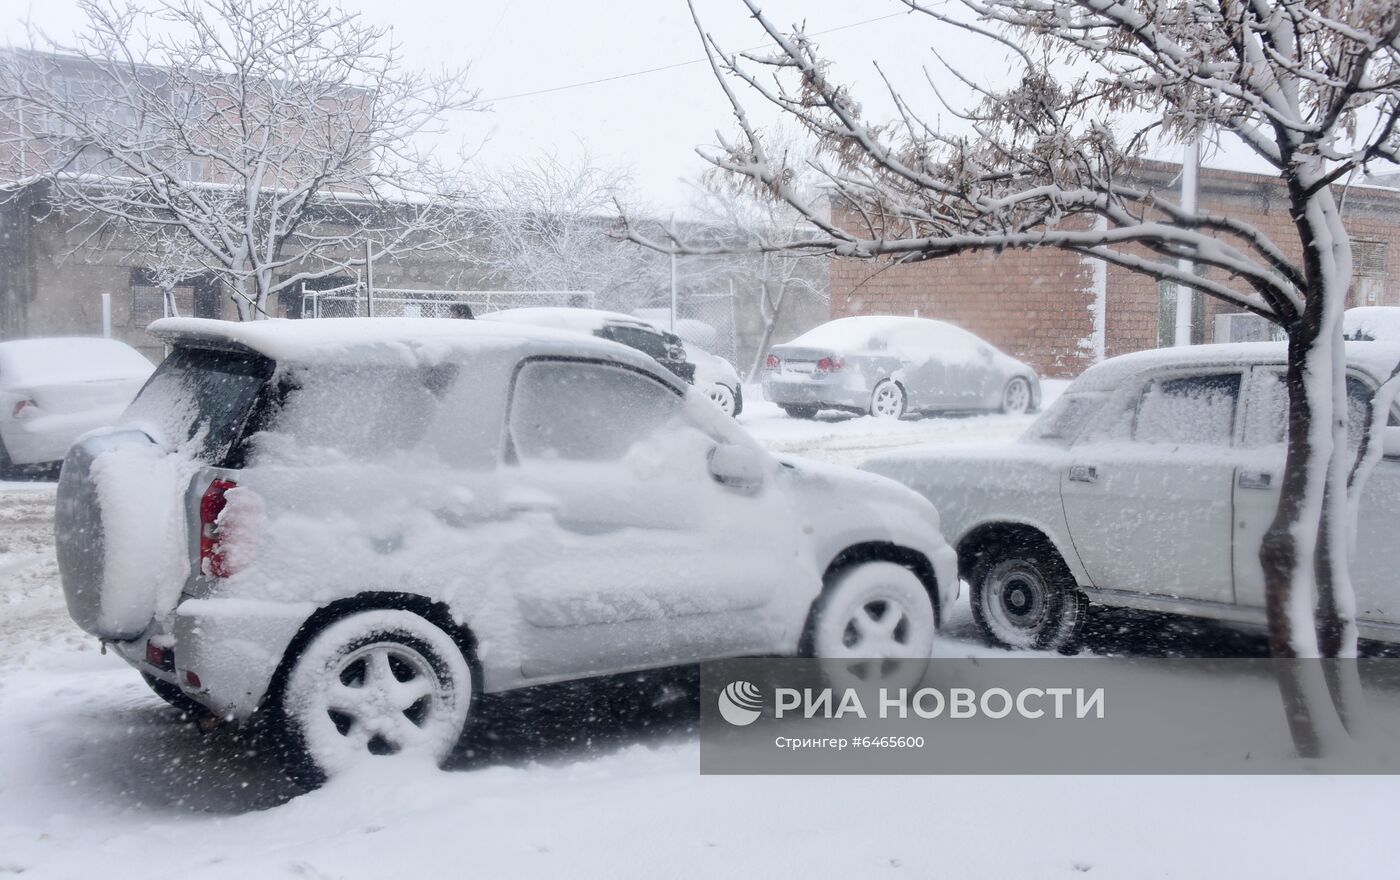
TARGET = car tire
(176,698)
(738,400)
(416,691)
(1025,597)
(888,400)
(723,397)
(801,412)
(1016,396)
(872,610)
(5,463)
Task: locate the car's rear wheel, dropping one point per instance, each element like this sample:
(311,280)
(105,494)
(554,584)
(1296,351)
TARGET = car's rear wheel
(801,412)
(887,401)
(1016,397)
(374,684)
(1025,597)
(5,464)
(875,610)
(723,396)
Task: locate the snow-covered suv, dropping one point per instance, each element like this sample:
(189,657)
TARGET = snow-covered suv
(359,526)
(1149,484)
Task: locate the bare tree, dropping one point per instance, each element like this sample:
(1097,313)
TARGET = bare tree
(552,225)
(760,233)
(1311,87)
(270,141)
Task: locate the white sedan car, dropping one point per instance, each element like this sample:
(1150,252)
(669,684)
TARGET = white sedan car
(717,379)
(356,527)
(888,366)
(52,391)
(1149,484)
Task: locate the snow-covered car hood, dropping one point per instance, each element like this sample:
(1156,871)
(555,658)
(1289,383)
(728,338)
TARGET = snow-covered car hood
(710,369)
(838,482)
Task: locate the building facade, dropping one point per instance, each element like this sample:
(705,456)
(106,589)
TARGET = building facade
(1060,312)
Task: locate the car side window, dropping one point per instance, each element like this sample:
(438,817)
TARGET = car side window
(582,411)
(1191,410)
(1268,419)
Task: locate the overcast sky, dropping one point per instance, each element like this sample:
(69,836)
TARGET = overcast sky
(649,123)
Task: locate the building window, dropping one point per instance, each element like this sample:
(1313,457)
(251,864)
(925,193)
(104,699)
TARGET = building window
(1368,259)
(1166,314)
(193,169)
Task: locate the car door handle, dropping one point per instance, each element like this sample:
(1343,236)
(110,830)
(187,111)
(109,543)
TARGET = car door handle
(1256,480)
(1084,473)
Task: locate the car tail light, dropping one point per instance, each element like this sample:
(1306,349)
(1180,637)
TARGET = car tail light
(830,364)
(773,363)
(213,557)
(160,657)
(24,409)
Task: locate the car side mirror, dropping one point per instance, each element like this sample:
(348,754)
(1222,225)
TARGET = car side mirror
(1390,441)
(738,467)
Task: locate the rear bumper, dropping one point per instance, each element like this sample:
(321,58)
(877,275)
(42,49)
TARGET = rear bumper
(802,390)
(232,646)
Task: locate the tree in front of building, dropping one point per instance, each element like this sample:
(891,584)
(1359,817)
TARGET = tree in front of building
(266,142)
(1311,88)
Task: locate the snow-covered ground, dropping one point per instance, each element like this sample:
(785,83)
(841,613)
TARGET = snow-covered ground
(97,776)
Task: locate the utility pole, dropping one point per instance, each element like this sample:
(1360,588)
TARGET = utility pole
(1190,166)
(369,279)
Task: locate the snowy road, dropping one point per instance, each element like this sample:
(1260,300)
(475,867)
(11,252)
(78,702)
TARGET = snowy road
(97,776)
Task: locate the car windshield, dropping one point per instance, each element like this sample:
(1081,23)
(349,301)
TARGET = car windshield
(1061,423)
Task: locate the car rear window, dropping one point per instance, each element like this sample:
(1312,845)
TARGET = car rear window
(201,397)
(646,341)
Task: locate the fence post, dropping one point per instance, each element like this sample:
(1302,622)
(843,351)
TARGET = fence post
(369,280)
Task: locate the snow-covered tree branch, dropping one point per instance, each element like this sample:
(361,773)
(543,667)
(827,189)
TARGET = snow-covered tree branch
(1051,155)
(270,141)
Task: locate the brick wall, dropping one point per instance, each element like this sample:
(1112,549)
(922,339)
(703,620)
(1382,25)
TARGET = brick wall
(1037,305)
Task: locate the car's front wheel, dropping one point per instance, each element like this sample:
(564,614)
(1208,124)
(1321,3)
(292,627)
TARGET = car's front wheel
(1016,397)
(723,396)
(878,610)
(376,683)
(1025,597)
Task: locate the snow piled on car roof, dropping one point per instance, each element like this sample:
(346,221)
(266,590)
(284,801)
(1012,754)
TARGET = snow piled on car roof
(1372,323)
(1376,358)
(578,320)
(61,360)
(403,340)
(858,332)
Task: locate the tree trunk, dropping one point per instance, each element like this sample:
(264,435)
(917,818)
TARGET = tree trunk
(770,325)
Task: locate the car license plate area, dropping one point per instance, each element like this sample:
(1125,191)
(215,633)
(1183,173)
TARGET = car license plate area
(805,368)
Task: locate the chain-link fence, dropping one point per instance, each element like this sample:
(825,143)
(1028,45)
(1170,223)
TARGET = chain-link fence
(705,319)
(353,300)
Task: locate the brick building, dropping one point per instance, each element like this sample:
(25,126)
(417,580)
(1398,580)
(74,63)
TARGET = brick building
(1042,305)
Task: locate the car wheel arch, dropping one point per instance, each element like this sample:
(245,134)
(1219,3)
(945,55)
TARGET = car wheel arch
(886,551)
(436,613)
(972,545)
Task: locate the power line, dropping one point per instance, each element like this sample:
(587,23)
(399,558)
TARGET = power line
(664,67)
